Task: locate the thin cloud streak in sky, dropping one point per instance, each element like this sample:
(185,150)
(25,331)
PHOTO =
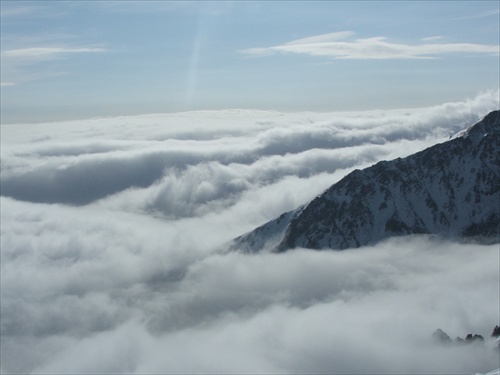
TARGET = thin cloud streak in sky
(15,10)
(490,13)
(324,38)
(437,37)
(47,52)
(18,65)
(378,48)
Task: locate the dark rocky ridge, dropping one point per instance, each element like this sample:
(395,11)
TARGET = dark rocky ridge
(451,189)
(442,337)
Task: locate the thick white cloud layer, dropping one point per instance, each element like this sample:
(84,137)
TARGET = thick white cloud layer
(111,249)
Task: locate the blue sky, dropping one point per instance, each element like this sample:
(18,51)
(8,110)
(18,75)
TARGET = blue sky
(81,59)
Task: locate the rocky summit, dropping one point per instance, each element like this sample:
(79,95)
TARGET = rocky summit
(451,189)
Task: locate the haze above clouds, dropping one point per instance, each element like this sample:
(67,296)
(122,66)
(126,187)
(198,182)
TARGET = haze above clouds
(112,257)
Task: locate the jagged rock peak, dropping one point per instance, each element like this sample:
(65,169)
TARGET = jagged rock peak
(440,336)
(450,189)
(496,332)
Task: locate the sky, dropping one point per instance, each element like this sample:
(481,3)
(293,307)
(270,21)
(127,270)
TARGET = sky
(114,234)
(64,60)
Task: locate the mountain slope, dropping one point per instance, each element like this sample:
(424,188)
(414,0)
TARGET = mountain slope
(450,189)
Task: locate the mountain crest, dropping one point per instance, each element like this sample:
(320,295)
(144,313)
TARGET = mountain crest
(451,189)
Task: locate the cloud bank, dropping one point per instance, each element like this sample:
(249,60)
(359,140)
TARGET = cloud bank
(336,46)
(111,262)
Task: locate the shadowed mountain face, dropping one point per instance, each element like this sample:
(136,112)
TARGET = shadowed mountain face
(451,189)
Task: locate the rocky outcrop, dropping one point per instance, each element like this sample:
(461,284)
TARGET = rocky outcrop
(443,338)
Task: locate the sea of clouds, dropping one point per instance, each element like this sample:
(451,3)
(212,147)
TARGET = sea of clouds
(113,261)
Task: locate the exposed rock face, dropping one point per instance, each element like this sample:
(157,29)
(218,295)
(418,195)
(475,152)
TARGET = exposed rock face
(472,338)
(451,189)
(496,332)
(442,337)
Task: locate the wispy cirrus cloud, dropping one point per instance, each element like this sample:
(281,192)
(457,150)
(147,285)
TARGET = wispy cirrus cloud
(12,11)
(429,38)
(26,54)
(336,45)
(323,38)
(18,63)
(489,13)
(47,52)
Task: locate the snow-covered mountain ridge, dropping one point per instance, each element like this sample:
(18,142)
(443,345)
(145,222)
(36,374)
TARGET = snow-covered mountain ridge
(451,189)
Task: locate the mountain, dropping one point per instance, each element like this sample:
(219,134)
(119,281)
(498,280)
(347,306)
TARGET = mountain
(451,189)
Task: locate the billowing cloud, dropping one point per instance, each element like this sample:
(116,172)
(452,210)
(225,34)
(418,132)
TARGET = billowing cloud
(112,234)
(335,45)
